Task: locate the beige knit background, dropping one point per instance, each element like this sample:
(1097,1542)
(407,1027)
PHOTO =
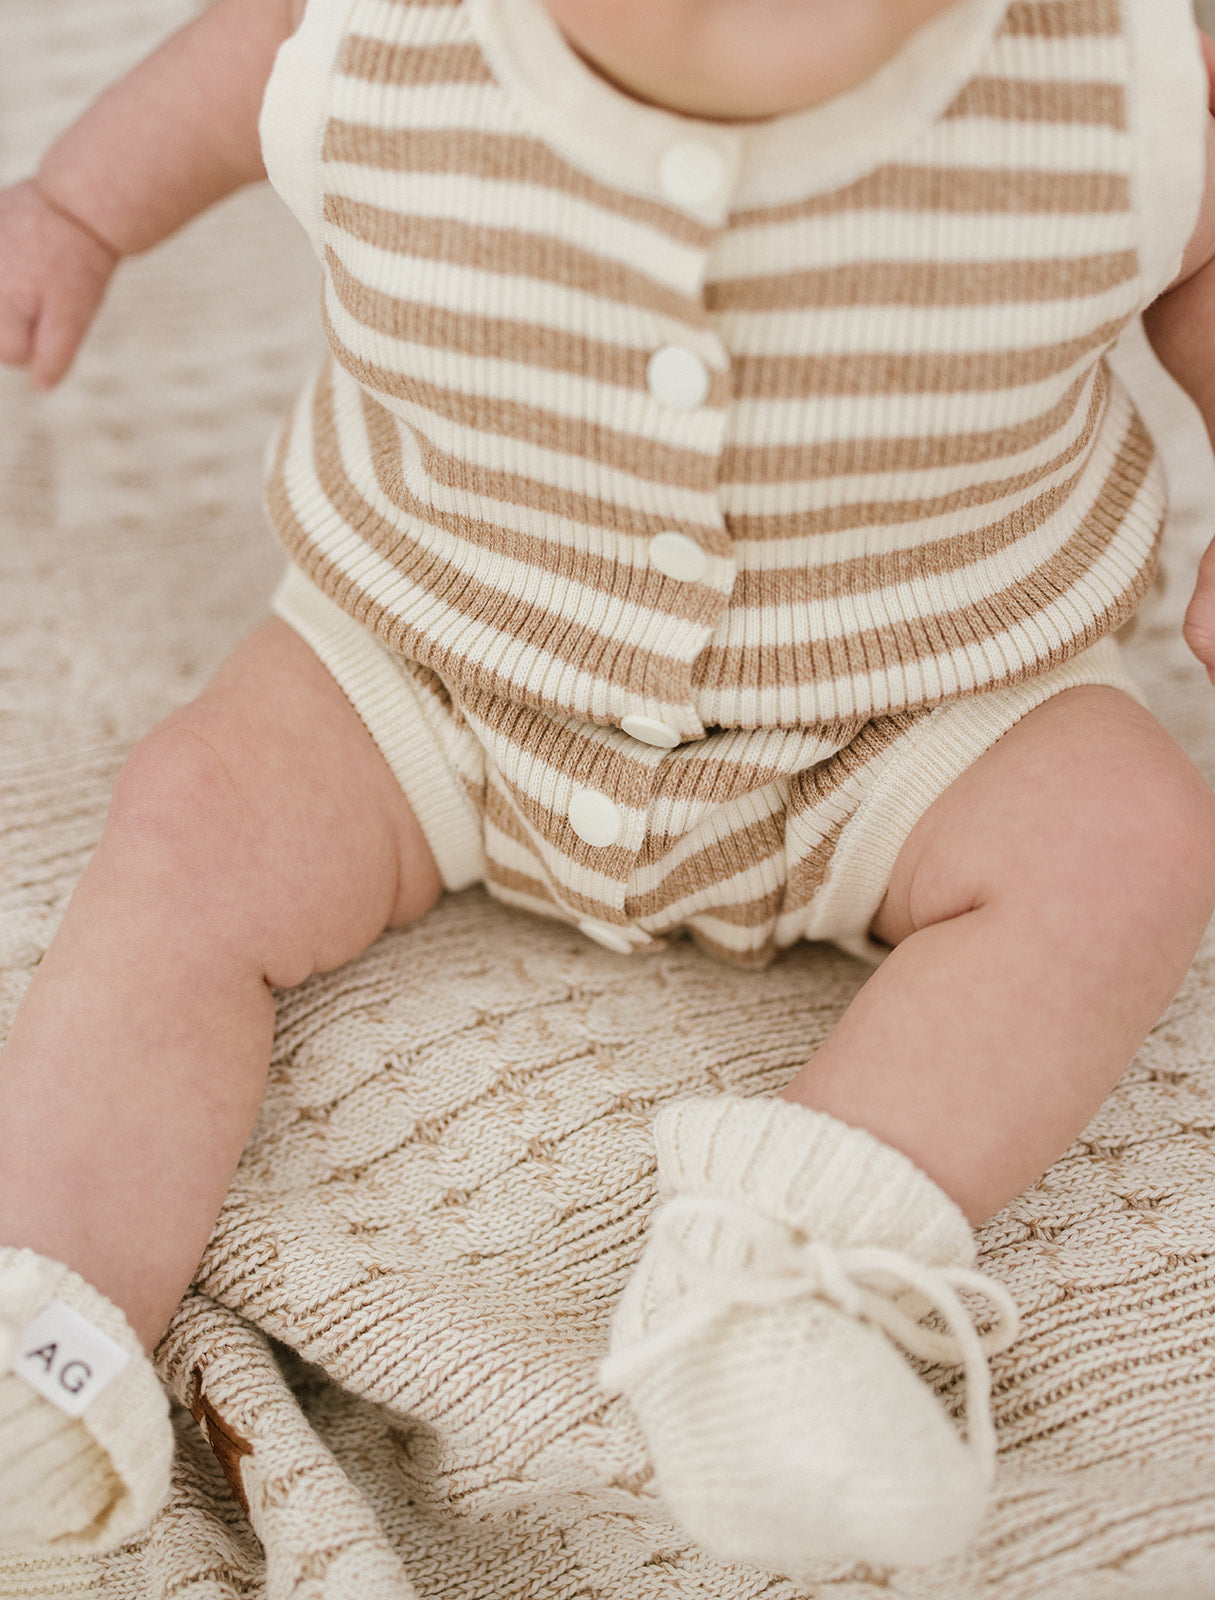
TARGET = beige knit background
(393,1338)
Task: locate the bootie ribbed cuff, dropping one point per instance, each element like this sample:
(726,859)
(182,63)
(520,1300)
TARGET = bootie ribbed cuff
(811,1173)
(85,1439)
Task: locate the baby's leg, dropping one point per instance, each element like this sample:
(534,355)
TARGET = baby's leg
(1044,911)
(254,838)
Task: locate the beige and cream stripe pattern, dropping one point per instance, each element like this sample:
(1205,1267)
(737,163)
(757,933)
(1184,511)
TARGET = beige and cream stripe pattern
(900,472)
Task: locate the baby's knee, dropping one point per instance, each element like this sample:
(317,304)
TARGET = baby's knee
(1086,815)
(1144,852)
(1175,808)
(175,811)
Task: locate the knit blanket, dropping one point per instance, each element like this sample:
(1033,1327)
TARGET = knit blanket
(386,1367)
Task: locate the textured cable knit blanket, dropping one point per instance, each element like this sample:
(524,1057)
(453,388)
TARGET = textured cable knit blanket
(390,1349)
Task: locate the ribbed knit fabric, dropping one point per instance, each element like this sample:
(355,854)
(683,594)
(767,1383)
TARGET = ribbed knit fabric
(689,462)
(74,1484)
(754,1342)
(907,473)
(809,1172)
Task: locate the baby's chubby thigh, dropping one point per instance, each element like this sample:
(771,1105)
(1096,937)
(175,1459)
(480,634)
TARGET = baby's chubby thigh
(1085,826)
(266,806)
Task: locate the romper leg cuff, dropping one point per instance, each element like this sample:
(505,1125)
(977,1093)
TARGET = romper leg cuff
(378,685)
(917,771)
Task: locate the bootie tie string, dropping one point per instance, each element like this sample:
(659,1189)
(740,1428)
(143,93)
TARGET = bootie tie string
(862,1281)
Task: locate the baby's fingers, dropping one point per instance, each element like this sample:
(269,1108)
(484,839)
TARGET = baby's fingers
(16,334)
(68,307)
(56,338)
(1199,626)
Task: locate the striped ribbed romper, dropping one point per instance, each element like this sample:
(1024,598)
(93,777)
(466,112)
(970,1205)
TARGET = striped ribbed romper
(684,505)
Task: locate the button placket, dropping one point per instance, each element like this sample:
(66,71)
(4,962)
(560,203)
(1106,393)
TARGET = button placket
(698,178)
(679,378)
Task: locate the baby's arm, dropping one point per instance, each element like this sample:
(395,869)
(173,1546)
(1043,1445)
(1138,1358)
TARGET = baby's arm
(175,135)
(1181,326)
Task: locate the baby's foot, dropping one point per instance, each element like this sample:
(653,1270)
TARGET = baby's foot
(757,1343)
(85,1439)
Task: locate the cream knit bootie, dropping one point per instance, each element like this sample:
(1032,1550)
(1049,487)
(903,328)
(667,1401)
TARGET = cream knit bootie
(85,1439)
(757,1341)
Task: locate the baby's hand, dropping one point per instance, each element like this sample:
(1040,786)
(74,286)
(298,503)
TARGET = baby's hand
(53,275)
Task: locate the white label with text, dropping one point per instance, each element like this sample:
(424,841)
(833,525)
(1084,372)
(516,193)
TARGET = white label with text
(67,1359)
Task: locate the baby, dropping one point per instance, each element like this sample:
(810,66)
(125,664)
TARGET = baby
(713,516)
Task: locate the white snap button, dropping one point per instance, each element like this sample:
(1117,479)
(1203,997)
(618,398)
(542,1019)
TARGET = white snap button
(595,818)
(677,556)
(610,938)
(678,377)
(649,730)
(692,173)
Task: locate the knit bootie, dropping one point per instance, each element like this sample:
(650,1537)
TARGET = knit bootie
(85,1438)
(757,1340)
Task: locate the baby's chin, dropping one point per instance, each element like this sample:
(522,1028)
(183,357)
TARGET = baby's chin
(705,101)
(739,60)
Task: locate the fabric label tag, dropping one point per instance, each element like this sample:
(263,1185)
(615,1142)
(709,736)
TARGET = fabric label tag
(67,1359)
